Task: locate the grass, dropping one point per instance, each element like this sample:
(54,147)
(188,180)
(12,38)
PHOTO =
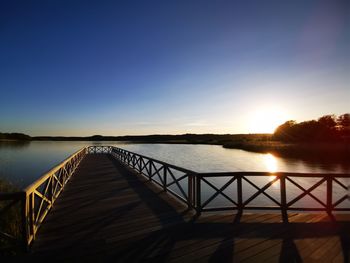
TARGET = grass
(10,221)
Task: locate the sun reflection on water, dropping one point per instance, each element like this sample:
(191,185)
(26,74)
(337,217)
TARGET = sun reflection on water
(270,162)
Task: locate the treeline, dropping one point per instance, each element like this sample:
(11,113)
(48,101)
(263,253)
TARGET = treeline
(328,128)
(164,138)
(156,138)
(14,136)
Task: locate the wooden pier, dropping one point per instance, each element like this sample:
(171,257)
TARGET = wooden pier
(107,204)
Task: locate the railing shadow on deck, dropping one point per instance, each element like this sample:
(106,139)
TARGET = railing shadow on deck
(275,232)
(223,237)
(150,197)
(167,215)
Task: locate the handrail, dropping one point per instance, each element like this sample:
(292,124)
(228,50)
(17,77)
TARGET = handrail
(170,177)
(332,200)
(253,173)
(109,149)
(46,175)
(158,161)
(38,198)
(196,181)
(41,195)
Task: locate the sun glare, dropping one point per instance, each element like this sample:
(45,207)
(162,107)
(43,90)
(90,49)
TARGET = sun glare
(270,163)
(266,120)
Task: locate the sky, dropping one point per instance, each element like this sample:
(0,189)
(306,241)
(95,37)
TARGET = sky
(171,67)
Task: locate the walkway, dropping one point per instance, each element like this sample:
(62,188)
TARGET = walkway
(107,213)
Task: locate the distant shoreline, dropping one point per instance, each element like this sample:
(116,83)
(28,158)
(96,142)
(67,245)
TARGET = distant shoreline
(218,139)
(259,143)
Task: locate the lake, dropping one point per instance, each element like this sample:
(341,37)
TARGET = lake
(22,163)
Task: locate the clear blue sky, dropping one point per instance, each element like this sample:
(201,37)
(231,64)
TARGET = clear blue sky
(144,67)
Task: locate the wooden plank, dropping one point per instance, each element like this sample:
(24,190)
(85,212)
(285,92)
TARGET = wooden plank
(289,248)
(200,249)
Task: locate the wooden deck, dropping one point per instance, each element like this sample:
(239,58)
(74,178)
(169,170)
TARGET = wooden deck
(107,213)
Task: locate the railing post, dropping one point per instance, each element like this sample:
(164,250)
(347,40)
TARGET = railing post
(32,215)
(150,170)
(329,195)
(165,178)
(239,194)
(198,194)
(51,189)
(140,164)
(283,198)
(190,191)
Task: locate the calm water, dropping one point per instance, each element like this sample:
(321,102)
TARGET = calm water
(23,163)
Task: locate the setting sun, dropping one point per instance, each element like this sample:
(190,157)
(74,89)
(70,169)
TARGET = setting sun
(266,120)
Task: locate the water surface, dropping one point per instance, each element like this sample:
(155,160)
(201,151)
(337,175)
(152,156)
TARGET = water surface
(22,163)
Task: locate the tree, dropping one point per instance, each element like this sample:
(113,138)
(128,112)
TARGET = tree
(343,121)
(14,136)
(344,126)
(328,121)
(284,131)
(326,128)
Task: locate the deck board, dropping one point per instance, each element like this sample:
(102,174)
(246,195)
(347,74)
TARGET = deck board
(108,213)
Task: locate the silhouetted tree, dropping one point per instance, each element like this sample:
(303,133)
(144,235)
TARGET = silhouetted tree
(343,122)
(97,137)
(328,121)
(326,128)
(284,132)
(14,136)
